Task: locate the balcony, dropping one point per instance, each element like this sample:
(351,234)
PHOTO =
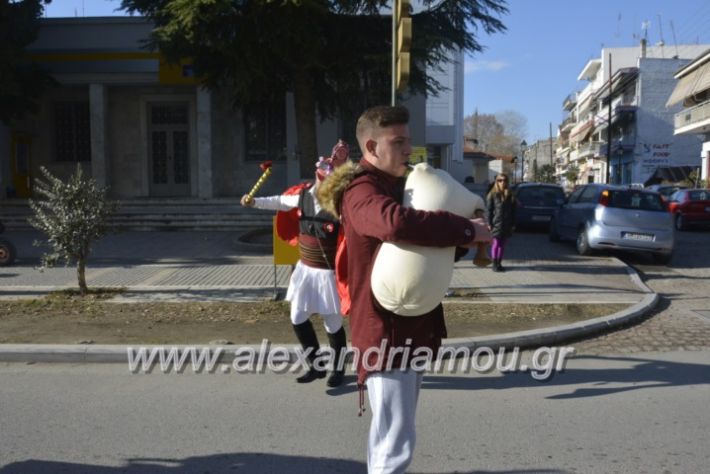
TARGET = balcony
(622,112)
(562,144)
(590,149)
(581,130)
(570,101)
(693,120)
(567,124)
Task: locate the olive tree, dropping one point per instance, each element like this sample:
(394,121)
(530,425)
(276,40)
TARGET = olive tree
(72,214)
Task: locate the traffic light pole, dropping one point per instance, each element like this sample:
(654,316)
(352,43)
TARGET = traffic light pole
(401,44)
(395,9)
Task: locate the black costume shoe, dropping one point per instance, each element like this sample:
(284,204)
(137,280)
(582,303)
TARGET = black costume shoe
(311,375)
(496,266)
(500,265)
(307,337)
(338,343)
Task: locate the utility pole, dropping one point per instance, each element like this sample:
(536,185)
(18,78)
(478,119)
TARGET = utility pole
(552,153)
(608,130)
(394,52)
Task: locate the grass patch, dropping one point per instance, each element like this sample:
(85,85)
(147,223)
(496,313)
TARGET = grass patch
(68,319)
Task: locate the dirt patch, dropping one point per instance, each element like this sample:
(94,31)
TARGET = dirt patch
(64,319)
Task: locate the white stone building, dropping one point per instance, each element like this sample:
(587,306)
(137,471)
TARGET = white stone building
(146,130)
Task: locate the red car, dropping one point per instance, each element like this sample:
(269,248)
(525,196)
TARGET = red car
(690,206)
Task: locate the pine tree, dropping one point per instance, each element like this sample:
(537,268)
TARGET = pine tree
(333,55)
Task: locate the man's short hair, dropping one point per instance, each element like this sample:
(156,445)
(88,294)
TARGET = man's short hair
(379,117)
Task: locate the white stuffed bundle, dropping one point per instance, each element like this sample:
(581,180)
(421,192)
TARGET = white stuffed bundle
(411,280)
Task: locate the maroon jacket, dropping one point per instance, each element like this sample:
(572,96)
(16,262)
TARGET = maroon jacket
(371,213)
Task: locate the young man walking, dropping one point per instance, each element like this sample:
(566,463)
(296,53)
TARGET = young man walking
(371,212)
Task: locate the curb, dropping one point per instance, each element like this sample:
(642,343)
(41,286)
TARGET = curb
(114,353)
(566,332)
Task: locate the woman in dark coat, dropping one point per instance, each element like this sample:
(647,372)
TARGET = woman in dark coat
(501,218)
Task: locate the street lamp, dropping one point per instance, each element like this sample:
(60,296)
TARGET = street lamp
(523,144)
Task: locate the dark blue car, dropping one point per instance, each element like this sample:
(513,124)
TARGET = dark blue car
(536,203)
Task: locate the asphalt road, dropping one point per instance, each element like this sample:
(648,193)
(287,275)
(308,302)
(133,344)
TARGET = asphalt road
(608,414)
(633,401)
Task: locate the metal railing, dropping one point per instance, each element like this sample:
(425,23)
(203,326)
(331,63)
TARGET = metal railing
(590,148)
(570,101)
(568,123)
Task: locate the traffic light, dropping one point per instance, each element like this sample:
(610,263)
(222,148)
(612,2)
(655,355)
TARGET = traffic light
(403,43)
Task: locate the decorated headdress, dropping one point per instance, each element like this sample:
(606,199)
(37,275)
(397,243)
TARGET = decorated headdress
(338,156)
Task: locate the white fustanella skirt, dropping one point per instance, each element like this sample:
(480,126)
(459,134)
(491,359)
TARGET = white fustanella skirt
(313,290)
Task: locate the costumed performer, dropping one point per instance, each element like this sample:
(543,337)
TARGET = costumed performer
(312,288)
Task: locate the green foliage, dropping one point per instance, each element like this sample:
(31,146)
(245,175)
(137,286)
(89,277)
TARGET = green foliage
(334,55)
(256,46)
(72,215)
(572,174)
(546,174)
(693,180)
(21,80)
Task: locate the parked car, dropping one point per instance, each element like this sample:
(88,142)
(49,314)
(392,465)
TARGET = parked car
(600,216)
(665,190)
(536,203)
(690,207)
(7,250)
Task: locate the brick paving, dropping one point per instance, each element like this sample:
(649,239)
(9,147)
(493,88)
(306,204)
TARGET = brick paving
(538,271)
(675,324)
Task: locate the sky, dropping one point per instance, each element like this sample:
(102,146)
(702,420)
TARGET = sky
(534,64)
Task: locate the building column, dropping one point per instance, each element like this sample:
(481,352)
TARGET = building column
(204,143)
(293,168)
(99,152)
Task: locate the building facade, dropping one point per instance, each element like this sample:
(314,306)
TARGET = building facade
(642,136)
(692,91)
(539,154)
(145,129)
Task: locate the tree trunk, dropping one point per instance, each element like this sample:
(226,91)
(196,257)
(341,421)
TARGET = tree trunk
(305,105)
(81,275)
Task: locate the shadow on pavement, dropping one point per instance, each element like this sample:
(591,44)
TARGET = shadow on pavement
(644,374)
(252,463)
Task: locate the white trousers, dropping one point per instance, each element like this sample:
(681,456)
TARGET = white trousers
(332,322)
(393,402)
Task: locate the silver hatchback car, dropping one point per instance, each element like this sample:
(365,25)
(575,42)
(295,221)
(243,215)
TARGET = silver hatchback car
(600,216)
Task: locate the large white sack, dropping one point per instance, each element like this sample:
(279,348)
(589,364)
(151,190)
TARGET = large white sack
(411,280)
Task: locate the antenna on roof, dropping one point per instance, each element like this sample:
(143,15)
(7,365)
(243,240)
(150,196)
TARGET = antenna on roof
(660,30)
(675,43)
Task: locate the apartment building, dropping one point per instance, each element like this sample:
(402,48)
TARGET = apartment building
(539,154)
(642,136)
(692,91)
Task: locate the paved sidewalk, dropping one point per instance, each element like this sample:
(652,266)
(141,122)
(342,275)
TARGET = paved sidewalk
(214,266)
(217,266)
